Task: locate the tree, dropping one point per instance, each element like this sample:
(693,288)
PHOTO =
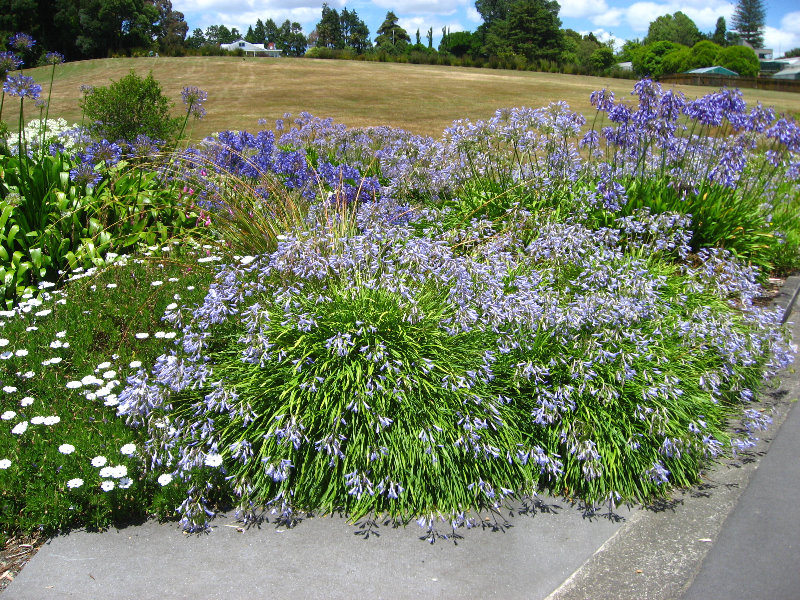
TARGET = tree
(329,29)
(196,40)
(171,28)
(291,39)
(259,32)
(791,53)
(492,11)
(250,36)
(720,32)
(703,54)
(677,28)
(390,35)
(601,59)
(534,29)
(271,33)
(430,37)
(219,34)
(649,60)
(748,21)
(741,59)
(460,43)
(355,32)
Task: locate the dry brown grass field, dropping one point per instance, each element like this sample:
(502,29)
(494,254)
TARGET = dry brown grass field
(422,99)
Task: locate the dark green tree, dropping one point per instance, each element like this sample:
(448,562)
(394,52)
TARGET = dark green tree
(534,29)
(291,39)
(720,32)
(748,22)
(492,11)
(601,59)
(219,34)
(390,35)
(355,32)
(271,32)
(171,28)
(460,44)
(329,29)
(677,28)
(250,36)
(791,53)
(196,40)
(430,37)
(259,32)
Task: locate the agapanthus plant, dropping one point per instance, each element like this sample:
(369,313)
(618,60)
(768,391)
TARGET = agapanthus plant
(384,372)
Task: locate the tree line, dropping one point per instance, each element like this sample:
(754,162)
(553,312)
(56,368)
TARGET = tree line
(522,34)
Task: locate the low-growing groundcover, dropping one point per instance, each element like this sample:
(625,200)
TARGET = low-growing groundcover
(421,328)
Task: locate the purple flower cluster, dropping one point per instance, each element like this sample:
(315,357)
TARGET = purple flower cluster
(193,97)
(22,86)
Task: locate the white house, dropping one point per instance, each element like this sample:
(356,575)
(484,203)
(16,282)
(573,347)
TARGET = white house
(247,48)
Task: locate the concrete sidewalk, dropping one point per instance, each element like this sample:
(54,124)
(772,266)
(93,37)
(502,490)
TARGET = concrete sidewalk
(737,535)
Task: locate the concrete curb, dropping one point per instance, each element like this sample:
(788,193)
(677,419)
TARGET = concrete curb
(658,553)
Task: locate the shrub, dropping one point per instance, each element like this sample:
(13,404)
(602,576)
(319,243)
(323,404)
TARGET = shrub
(741,59)
(128,108)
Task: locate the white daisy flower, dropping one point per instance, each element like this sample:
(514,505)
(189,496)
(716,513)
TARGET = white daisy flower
(74,385)
(5,463)
(107,486)
(43,313)
(156,283)
(119,471)
(142,336)
(3,342)
(106,471)
(75,483)
(125,483)
(99,461)
(164,479)
(37,420)
(53,420)
(6,355)
(9,389)
(136,364)
(111,286)
(109,374)
(21,352)
(128,449)
(26,401)
(20,428)
(213,460)
(61,334)
(8,415)
(66,448)
(103,365)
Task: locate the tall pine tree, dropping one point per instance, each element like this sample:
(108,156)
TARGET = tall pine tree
(748,21)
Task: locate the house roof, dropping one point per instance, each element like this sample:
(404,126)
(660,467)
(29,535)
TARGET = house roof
(788,73)
(716,70)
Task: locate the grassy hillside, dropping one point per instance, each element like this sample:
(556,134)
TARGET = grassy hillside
(421,99)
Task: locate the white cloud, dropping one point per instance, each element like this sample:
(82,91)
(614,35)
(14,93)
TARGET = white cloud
(582,8)
(435,7)
(639,15)
(785,38)
(611,18)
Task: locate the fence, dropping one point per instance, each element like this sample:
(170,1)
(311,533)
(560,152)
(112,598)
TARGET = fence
(709,79)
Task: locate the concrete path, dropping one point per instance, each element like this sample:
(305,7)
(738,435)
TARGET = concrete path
(737,535)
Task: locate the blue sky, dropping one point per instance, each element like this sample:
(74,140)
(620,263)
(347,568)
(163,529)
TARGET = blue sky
(619,19)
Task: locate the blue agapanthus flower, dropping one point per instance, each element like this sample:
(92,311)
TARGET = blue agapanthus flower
(22,86)
(21,41)
(54,58)
(193,98)
(104,151)
(9,62)
(84,174)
